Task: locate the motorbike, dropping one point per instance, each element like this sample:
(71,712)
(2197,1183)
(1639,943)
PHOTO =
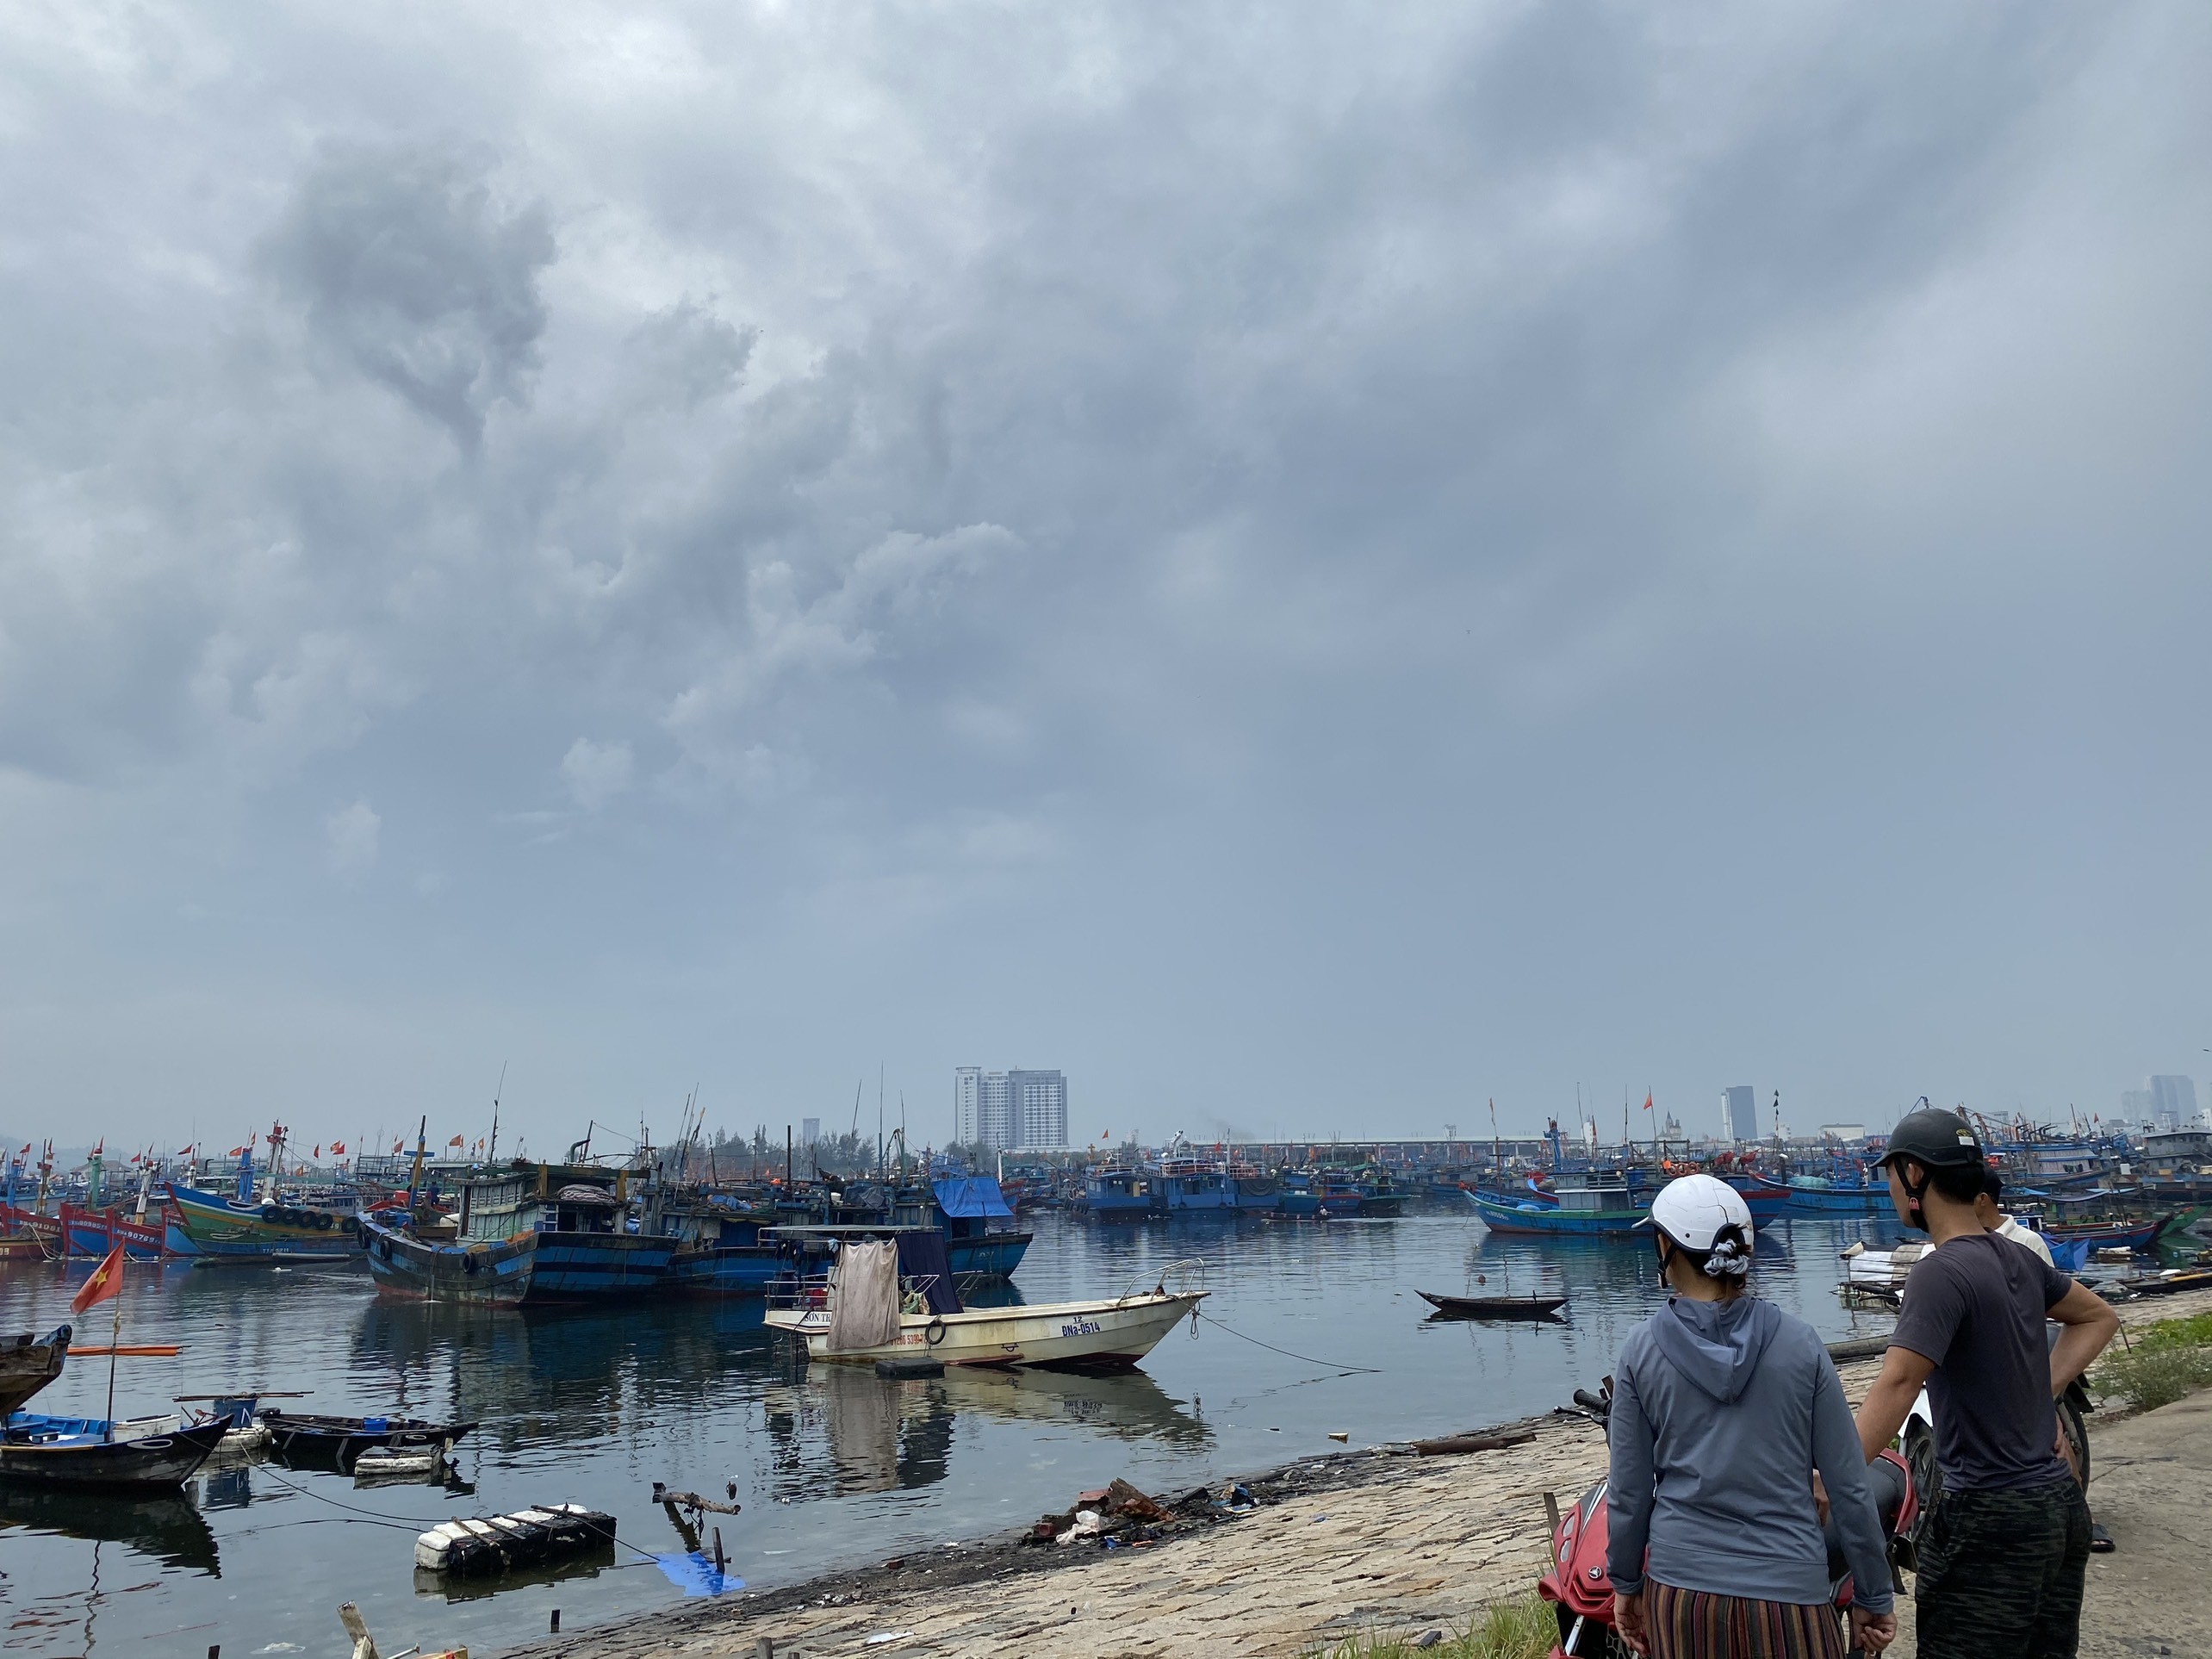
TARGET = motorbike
(1580,1591)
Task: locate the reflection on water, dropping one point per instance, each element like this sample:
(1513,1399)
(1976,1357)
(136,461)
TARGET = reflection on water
(593,1406)
(166,1531)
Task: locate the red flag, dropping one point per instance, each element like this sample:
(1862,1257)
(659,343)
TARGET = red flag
(398,1146)
(107,1279)
(456,1141)
(338,1146)
(182,1152)
(1647,1100)
(237,1152)
(318,1151)
(101,1147)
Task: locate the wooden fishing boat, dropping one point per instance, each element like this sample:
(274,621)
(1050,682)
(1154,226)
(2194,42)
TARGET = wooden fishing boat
(225,1230)
(1600,1205)
(74,1451)
(1493,1307)
(27,1364)
(338,1442)
(496,1271)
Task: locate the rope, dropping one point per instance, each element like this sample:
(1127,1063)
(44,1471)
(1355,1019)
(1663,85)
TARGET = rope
(1347,1370)
(372,1517)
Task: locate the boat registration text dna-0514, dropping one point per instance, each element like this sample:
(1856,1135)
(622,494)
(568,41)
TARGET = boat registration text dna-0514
(1080,1328)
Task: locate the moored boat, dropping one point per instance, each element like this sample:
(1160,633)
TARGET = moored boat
(338,1442)
(81,1452)
(1596,1205)
(227,1231)
(1091,1336)
(484,1271)
(1493,1306)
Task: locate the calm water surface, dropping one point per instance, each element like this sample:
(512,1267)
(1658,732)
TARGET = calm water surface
(831,1465)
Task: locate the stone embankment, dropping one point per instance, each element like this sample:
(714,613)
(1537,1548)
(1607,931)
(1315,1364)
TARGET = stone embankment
(1369,1540)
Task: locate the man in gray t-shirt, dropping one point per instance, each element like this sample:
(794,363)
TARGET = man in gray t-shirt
(2002,1557)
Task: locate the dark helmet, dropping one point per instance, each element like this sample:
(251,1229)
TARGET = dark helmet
(1934,1139)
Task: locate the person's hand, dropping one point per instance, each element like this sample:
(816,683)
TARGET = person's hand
(1628,1623)
(1819,1498)
(1871,1631)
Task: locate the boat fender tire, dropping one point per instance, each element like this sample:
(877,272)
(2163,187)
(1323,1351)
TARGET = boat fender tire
(933,1333)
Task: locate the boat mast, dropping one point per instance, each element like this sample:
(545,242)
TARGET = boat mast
(492,1152)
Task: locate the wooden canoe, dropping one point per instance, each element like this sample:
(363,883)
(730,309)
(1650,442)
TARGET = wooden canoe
(1494,1307)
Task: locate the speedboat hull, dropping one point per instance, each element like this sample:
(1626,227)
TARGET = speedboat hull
(1088,1336)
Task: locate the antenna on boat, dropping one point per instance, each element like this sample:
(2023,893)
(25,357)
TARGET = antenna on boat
(492,1153)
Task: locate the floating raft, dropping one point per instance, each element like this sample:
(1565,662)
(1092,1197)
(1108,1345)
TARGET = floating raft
(493,1543)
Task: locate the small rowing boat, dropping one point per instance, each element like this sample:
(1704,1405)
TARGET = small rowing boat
(339,1441)
(1493,1307)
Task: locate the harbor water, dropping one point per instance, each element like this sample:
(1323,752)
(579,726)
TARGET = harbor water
(1313,1329)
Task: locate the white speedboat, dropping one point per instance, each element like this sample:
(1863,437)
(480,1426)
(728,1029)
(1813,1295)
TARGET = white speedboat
(1105,1335)
(1095,1336)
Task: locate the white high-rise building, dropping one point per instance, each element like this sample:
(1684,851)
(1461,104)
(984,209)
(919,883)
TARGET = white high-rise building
(1039,1108)
(1741,1110)
(1002,1111)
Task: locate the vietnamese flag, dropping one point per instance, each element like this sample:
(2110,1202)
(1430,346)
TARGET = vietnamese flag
(105,1281)
(338,1146)
(456,1141)
(1647,1100)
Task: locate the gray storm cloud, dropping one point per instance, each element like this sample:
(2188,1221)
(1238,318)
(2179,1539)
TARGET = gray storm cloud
(411,274)
(1274,560)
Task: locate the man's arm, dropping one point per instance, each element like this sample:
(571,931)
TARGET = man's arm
(2090,1323)
(1888,1404)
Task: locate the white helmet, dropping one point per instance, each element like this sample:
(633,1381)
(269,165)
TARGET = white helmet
(1694,1211)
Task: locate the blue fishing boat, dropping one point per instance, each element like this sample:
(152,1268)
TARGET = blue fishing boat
(1820,1195)
(220,1230)
(585,1249)
(981,1240)
(1595,1205)
(1118,1193)
(1767,1200)
(495,1271)
(718,1248)
(1379,1195)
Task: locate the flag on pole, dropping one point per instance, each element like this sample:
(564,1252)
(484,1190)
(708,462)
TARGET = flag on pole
(182,1152)
(237,1152)
(1647,1100)
(339,1146)
(107,1279)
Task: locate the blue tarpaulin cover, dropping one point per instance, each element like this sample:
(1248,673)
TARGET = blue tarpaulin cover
(971,1196)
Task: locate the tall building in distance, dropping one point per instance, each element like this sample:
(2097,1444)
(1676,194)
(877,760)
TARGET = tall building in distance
(809,1131)
(1740,1109)
(2173,1103)
(1009,1111)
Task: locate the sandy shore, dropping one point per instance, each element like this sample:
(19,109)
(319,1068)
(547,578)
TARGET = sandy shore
(1355,1541)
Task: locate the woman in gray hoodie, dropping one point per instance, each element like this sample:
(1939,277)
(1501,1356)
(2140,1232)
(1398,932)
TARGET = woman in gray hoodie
(1723,1407)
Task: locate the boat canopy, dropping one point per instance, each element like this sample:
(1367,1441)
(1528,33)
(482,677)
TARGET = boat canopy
(971,1196)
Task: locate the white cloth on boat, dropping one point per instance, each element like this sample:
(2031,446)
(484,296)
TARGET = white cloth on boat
(863,1297)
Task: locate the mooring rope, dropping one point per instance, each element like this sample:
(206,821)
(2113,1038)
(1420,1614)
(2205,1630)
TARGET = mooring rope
(1341,1371)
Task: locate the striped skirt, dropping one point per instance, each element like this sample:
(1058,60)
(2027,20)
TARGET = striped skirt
(1692,1625)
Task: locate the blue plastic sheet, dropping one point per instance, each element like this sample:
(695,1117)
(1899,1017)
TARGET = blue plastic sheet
(694,1575)
(971,1196)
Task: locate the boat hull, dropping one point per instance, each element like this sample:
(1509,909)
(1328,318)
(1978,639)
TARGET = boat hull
(494,1273)
(1839,1200)
(1553,1220)
(987,1256)
(221,1231)
(1085,1336)
(592,1266)
(724,1271)
(1493,1307)
(155,1463)
(303,1443)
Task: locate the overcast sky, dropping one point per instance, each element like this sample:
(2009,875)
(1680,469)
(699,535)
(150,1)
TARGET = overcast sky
(1311,567)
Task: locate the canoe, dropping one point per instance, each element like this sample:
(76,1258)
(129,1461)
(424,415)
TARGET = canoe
(339,1441)
(1087,1336)
(1494,1307)
(33,1455)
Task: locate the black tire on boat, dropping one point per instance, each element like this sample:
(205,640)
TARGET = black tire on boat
(933,1333)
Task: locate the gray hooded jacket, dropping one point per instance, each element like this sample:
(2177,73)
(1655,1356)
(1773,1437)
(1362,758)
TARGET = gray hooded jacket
(1721,1412)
